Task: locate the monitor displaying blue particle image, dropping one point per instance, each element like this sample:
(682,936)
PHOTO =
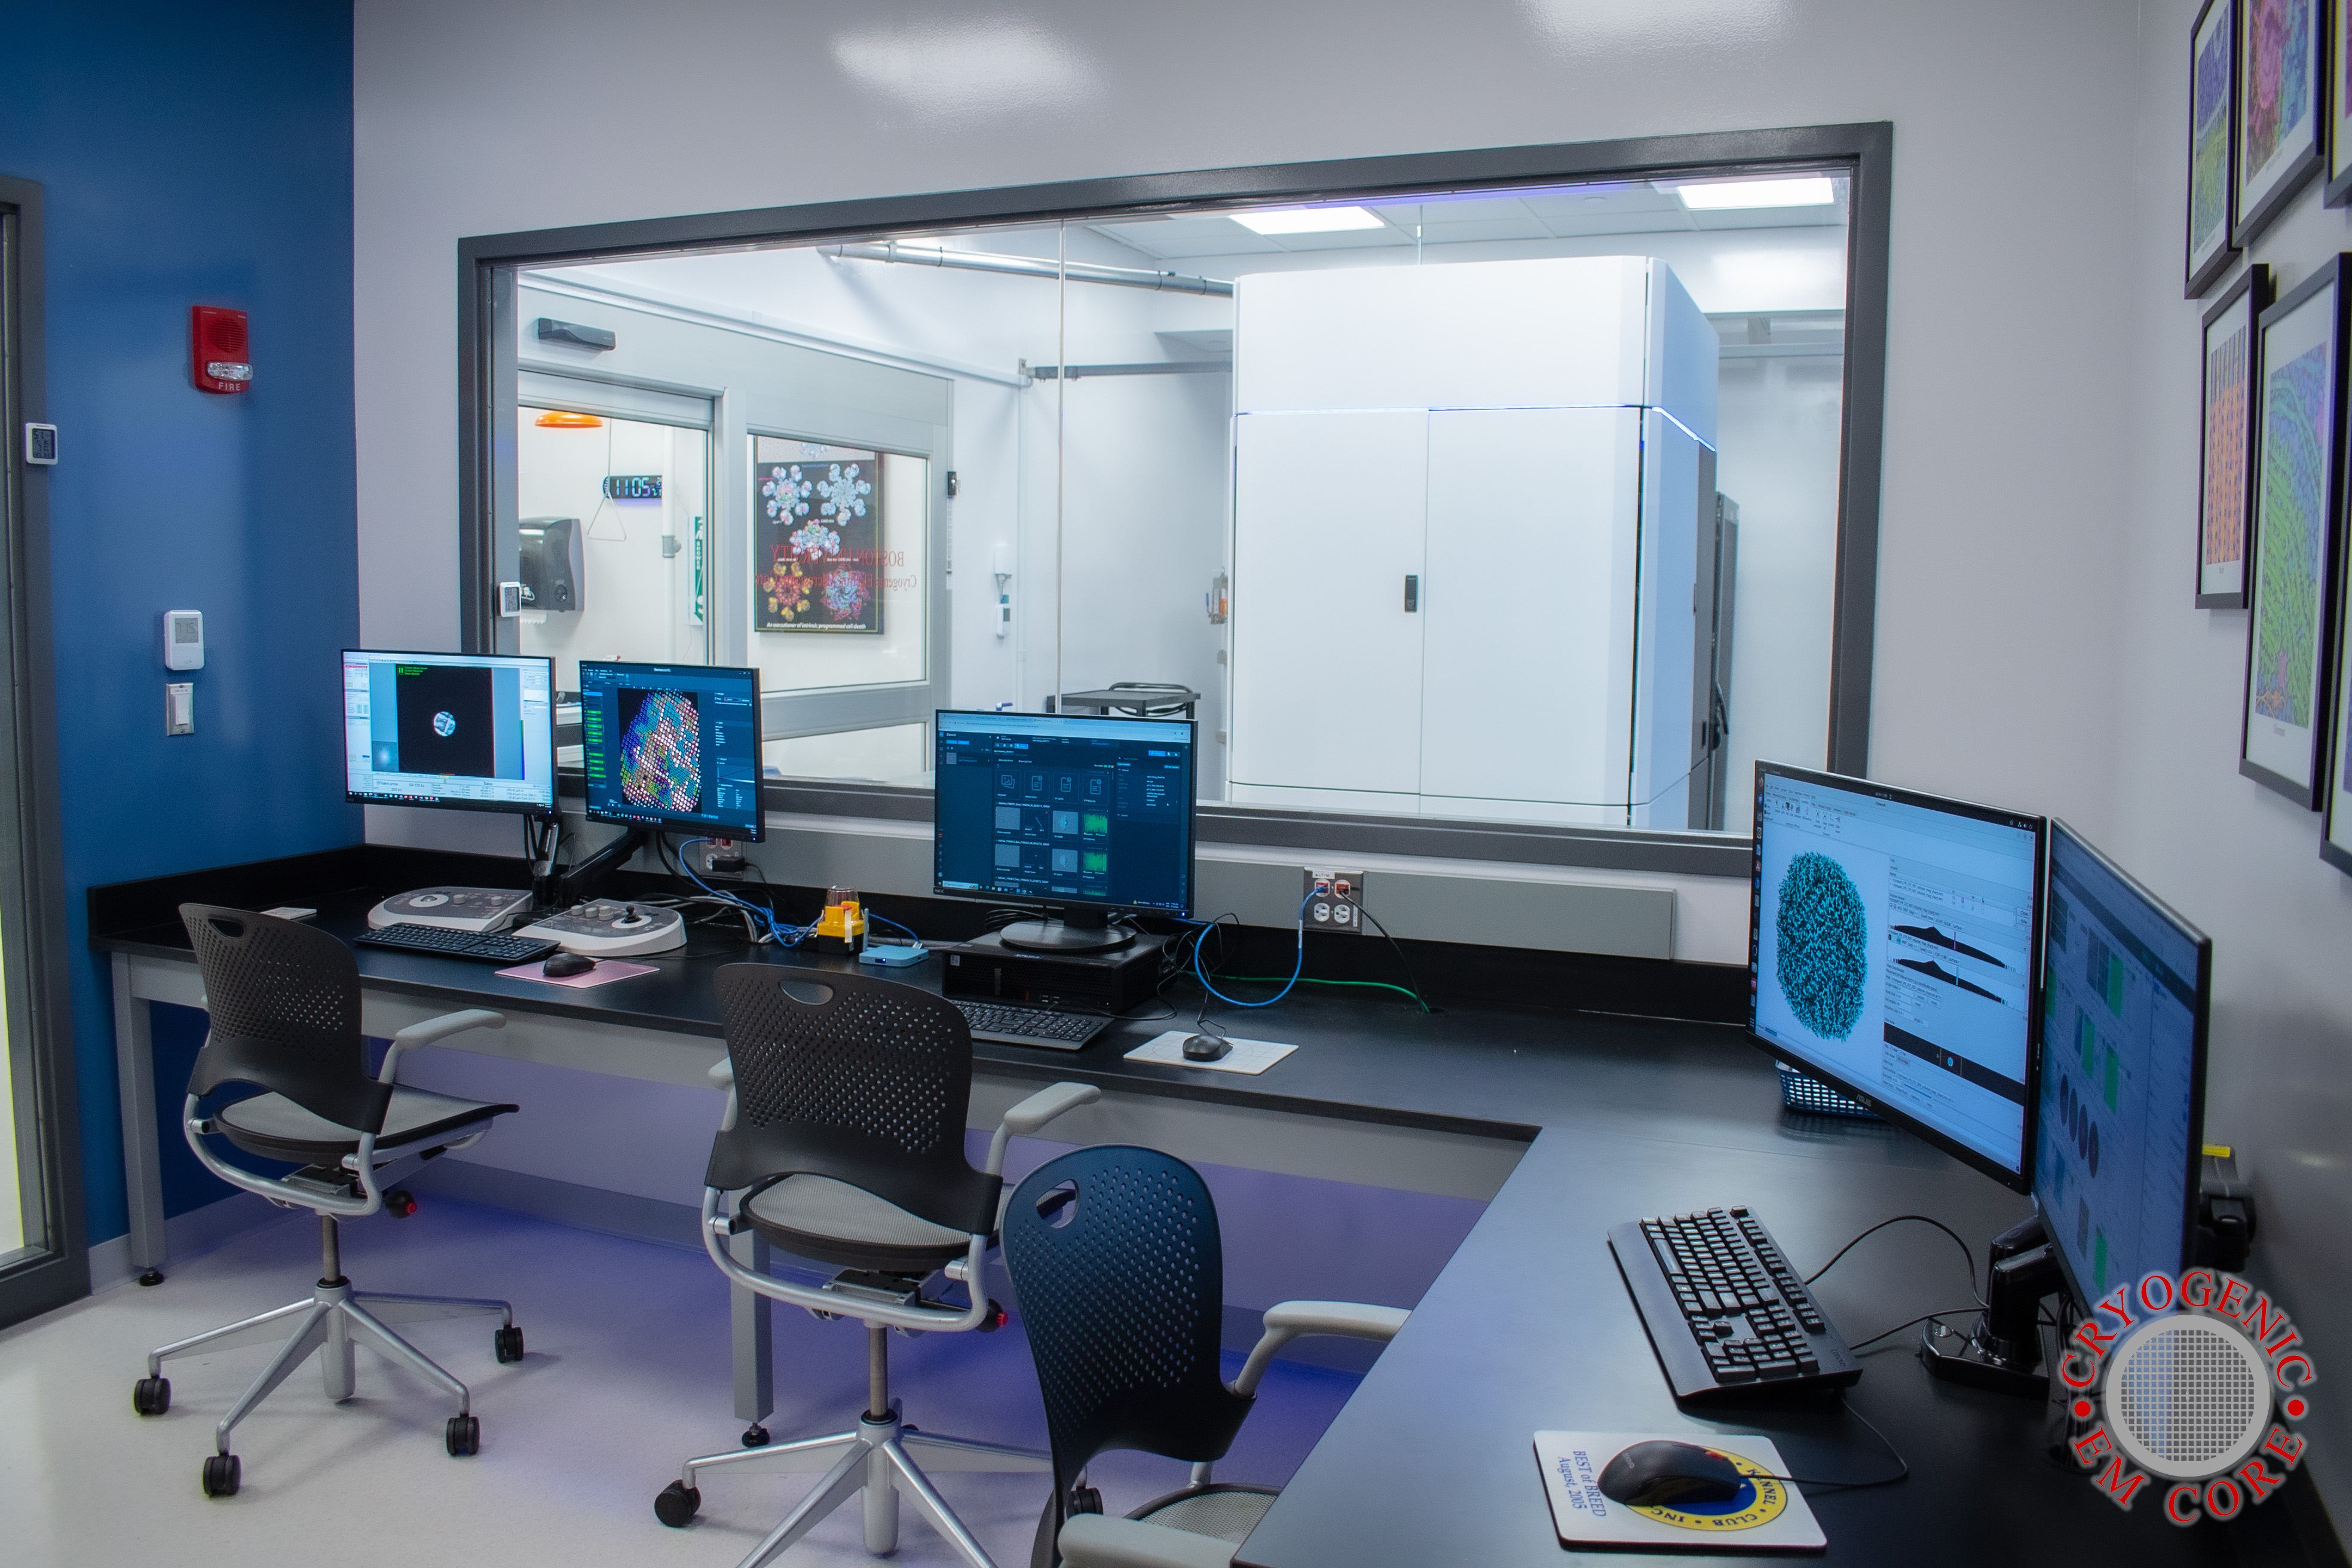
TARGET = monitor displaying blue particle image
(470,730)
(1893,954)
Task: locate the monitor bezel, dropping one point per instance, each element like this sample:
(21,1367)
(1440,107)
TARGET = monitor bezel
(1014,901)
(551,812)
(2193,1178)
(659,824)
(2021,1179)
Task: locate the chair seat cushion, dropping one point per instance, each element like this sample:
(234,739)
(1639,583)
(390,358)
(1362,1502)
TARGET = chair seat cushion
(275,1127)
(833,1222)
(1226,1511)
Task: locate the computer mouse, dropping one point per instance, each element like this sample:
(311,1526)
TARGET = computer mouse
(560,964)
(1661,1473)
(1206,1048)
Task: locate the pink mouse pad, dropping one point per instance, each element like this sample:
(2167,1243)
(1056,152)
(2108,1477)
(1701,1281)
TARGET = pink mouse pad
(606,969)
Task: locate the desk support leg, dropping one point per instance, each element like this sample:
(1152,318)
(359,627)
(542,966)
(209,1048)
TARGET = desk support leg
(143,1174)
(753,1334)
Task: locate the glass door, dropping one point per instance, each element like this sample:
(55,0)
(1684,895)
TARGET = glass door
(44,1257)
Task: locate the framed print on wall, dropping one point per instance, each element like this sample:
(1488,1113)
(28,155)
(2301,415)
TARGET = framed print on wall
(2339,105)
(2281,78)
(2298,497)
(816,528)
(2212,141)
(2225,469)
(2335,789)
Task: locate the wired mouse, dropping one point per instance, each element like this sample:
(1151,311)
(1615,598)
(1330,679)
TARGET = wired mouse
(560,965)
(1649,1475)
(1206,1048)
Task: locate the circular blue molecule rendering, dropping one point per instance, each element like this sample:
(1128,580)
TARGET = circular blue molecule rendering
(445,724)
(1824,945)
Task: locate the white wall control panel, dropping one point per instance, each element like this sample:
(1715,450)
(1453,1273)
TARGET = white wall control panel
(183,639)
(180,708)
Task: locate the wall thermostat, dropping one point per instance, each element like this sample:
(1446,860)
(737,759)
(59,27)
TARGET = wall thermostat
(183,639)
(41,444)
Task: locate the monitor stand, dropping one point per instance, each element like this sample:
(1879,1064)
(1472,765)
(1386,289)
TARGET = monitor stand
(1079,931)
(587,878)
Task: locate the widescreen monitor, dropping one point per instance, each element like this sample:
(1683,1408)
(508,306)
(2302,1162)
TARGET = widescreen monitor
(672,746)
(1091,815)
(474,731)
(1891,952)
(2127,987)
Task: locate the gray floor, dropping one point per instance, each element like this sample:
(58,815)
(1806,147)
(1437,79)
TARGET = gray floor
(626,1376)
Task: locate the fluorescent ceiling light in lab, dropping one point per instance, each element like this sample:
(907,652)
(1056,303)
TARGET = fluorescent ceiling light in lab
(1306,220)
(1724,195)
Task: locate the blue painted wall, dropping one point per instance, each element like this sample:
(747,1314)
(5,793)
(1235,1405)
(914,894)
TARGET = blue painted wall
(190,155)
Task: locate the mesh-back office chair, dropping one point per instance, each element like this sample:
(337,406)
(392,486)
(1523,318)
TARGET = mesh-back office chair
(284,1000)
(1116,1253)
(843,1142)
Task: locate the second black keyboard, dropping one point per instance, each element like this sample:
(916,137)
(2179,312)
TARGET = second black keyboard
(482,947)
(1724,1309)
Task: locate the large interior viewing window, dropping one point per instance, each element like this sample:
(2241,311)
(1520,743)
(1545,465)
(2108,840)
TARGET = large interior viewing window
(1478,503)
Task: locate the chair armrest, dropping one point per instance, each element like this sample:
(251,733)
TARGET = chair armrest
(433,1029)
(1100,1540)
(723,1074)
(1032,1114)
(1287,1320)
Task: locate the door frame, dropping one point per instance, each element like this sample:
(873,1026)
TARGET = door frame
(32,901)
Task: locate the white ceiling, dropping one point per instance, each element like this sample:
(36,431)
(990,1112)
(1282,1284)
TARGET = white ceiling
(1554,213)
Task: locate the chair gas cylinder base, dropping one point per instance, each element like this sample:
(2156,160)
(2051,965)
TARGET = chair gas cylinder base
(843,1142)
(285,1006)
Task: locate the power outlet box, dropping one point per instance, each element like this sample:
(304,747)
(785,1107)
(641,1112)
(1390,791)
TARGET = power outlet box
(1335,898)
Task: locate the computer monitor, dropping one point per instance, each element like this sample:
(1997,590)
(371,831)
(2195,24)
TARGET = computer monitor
(672,746)
(1891,956)
(475,731)
(1090,815)
(2127,985)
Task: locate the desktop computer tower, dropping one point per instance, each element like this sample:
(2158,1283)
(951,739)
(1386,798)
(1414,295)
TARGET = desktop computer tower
(1109,982)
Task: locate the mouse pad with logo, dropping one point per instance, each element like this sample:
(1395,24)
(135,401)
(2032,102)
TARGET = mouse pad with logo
(1767,1515)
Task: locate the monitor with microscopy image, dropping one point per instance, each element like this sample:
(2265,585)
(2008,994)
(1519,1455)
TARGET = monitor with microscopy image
(672,746)
(1892,956)
(473,732)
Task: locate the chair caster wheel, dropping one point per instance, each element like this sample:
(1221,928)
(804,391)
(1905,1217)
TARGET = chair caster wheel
(399,1203)
(677,1504)
(221,1475)
(755,1437)
(997,1317)
(152,1395)
(152,1277)
(464,1436)
(508,1342)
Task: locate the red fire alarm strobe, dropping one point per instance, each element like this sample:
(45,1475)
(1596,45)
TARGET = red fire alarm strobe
(216,349)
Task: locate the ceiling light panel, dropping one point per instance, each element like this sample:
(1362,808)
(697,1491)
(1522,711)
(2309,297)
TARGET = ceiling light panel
(1306,220)
(1724,195)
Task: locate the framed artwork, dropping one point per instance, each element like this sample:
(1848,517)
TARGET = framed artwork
(816,539)
(2225,469)
(2213,141)
(2335,790)
(2281,78)
(2339,105)
(2298,497)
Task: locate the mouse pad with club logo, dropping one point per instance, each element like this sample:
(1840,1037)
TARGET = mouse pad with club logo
(1766,1515)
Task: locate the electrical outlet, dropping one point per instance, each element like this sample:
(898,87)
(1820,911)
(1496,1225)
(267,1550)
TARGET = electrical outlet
(1337,903)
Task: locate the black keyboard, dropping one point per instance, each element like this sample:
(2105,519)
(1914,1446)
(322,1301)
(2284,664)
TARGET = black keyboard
(1030,1026)
(1723,1308)
(488,947)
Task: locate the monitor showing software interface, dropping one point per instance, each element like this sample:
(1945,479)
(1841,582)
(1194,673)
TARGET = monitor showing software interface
(472,731)
(1060,810)
(672,745)
(2115,1152)
(1894,946)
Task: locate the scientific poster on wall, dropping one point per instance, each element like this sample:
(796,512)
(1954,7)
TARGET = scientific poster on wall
(2226,455)
(816,538)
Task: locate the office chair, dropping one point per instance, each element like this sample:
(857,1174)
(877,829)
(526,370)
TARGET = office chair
(1116,1255)
(843,1142)
(285,1004)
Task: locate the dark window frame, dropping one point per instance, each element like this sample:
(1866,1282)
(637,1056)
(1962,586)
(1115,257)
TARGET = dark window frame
(1864,152)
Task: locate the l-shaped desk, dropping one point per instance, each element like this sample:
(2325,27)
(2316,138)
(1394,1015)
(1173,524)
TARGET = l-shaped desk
(1568,1123)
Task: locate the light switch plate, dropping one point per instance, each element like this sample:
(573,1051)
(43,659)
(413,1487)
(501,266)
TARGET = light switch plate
(179,707)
